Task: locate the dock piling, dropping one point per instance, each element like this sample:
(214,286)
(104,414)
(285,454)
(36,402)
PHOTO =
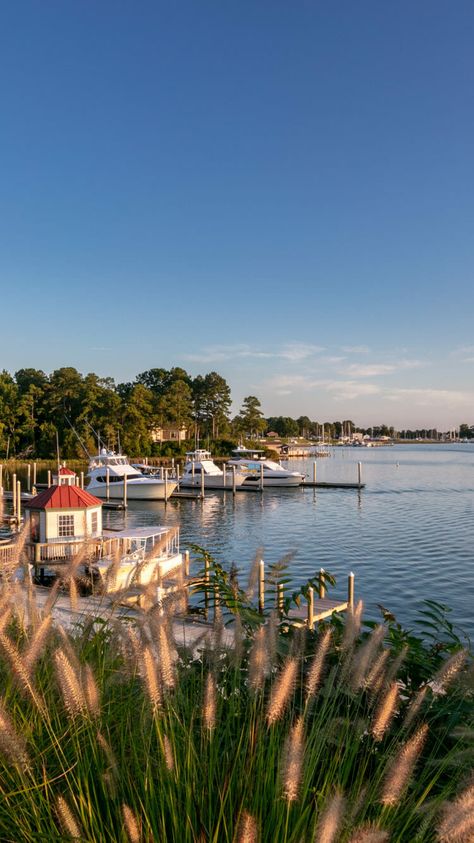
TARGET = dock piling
(203,491)
(261,477)
(125,491)
(224,478)
(166,485)
(186,563)
(310,608)
(350,589)
(233,480)
(28,479)
(322,587)
(18,502)
(14,495)
(107,484)
(261,586)
(34,474)
(280,596)
(314,472)
(49,478)
(359,473)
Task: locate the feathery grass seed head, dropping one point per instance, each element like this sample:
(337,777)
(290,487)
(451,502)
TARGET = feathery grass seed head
(131,824)
(67,819)
(329,824)
(385,712)
(247,831)
(293,761)
(401,768)
(282,691)
(315,671)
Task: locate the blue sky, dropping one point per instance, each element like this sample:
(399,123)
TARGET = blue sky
(279,191)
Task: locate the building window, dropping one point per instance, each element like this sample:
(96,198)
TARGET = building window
(65,526)
(94,519)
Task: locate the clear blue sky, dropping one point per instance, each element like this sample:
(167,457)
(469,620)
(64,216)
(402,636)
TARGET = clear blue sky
(281,191)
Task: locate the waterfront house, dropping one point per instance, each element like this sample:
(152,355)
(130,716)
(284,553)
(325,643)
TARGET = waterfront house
(63,514)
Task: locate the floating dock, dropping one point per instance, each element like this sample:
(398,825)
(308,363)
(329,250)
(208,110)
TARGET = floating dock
(322,484)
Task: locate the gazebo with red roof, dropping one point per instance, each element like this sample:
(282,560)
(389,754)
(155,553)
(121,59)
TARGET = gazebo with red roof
(64,513)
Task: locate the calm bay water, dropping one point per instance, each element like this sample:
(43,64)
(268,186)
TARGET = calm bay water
(407,536)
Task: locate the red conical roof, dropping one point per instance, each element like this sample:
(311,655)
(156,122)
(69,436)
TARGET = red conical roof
(63,497)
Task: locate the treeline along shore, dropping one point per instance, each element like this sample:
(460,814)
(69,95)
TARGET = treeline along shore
(161,413)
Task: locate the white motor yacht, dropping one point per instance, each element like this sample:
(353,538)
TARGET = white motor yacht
(200,468)
(107,471)
(137,557)
(253,464)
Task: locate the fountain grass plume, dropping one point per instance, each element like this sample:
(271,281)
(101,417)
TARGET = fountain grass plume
(448,672)
(369,834)
(149,674)
(12,745)
(401,768)
(385,712)
(330,822)
(258,659)
(21,672)
(293,761)
(37,643)
(70,685)
(247,831)
(282,691)
(364,657)
(315,672)
(457,823)
(209,704)
(376,676)
(415,706)
(67,819)
(131,823)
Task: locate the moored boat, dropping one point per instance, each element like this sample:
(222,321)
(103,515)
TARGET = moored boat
(257,469)
(109,472)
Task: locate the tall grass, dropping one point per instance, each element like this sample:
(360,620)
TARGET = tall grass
(114,732)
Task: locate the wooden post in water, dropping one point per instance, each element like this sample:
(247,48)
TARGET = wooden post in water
(161,472)
(261,477)
(280,598)
(14,495)
(314,472)
(310,608)
(322,588)
(107,483)
(202,482)
(82,479)
(192,469)
(49,478)
(125,490)
(233,480)
(34,474)
(350,590)
(224,478)
(206,580)
(18,502)
(261,586)
(186,563)
(177,473)
(28,478)
(359,472)
(1,475)
(166,485)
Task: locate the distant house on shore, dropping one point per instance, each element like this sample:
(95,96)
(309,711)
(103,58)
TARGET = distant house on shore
(169,434)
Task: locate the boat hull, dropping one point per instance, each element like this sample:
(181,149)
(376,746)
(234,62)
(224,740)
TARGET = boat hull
(132,573)
(136,490)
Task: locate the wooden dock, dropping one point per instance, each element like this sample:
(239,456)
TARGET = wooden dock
(322,484)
